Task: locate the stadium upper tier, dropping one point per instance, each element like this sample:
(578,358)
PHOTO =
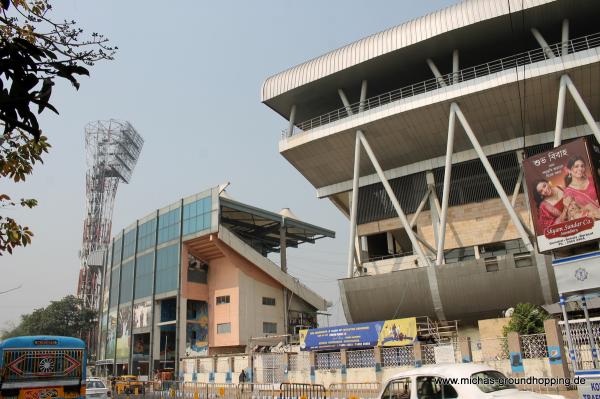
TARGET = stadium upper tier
(500,61)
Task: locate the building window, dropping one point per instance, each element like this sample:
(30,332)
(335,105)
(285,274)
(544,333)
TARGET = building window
(126,286)
(167,268)
(144,276)
(197,271)
(223,299)
(168,226)
(196,216)
(118,246)
(269,328)
(114,287)
(223,328)
(129,243)
(146,235)
(268,301)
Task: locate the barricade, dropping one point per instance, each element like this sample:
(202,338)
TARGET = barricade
(302,391)
(127,389)
(257,391)
(354,390)
(222,391)
(195,390)
(168,389)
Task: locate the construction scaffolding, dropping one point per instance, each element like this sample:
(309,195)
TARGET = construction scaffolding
(112,149)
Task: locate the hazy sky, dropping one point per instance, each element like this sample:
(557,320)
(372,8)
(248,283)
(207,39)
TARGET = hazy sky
(187,75)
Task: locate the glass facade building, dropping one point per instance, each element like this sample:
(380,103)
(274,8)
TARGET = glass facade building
(141,293)
(164,275)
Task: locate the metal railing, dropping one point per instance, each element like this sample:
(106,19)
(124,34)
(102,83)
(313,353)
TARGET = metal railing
(534,346)
(398,356)
(486,69)
(361,358)
(329,360)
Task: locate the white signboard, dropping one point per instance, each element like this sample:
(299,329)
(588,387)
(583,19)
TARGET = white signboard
(580,273)
(588,384)
(444,354)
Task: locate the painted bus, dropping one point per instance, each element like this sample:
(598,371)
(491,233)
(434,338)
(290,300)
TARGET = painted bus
(42,367)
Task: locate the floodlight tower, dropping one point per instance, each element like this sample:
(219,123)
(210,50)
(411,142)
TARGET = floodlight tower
(112,150)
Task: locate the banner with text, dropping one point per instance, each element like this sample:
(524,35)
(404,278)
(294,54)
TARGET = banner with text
(563,194)
(397,332)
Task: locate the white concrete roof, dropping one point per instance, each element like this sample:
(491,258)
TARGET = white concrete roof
(465,13)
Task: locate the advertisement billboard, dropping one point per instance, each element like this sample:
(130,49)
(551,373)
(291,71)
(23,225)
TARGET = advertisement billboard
(563,195)
(141,314)
(398,332)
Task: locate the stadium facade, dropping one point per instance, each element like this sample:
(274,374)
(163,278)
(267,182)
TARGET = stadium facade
(193,279)
(417,135)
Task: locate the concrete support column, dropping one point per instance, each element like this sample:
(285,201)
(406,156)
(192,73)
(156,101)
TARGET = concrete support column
(466,353)
(559,366)
(435,216)
(312,358)
(229,376)
(542,42)
(344,362)
(378,363)
(286,366)
(515,354)
(418,354)
(211,375)
(436,72)
(455,66)
(345,101)
(354,206)
(363,96)
(250,374)
(390,243)
(565,37)
(292,121)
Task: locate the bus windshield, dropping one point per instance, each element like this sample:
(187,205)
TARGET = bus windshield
(42,367)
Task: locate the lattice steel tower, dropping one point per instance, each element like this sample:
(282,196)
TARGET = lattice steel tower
(112,149)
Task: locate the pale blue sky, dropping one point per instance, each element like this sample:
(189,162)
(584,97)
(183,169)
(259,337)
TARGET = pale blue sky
(187,76)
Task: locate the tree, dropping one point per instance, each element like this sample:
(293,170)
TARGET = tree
(67,317)
(527,319)
(35,51)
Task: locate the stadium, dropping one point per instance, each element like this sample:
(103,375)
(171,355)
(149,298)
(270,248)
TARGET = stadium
(193,279)
(417,135)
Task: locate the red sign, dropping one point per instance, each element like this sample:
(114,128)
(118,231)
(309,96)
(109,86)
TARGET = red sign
(562,184)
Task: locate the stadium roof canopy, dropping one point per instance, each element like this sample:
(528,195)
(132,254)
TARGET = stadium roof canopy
(255,224)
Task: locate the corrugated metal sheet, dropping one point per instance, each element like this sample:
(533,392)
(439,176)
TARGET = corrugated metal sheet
(374,204)
(469,183)
(465,13)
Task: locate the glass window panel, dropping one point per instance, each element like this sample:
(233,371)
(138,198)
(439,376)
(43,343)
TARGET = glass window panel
(114,287)
(168,226)
(126,286)
(129,244)
(144,276)
(223,328)
(167,268)
(117,251)
(198,218)
(146,235)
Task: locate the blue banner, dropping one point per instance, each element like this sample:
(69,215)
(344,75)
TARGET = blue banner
(378,333)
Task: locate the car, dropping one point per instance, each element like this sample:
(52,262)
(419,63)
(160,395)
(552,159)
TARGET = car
(96,388)
(460,381)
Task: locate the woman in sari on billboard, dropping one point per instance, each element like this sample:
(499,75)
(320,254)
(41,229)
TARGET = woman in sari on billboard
(580,187)
(549,201)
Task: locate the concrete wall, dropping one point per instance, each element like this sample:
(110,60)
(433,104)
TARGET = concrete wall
(254,284)
(468,290)
(472,224)
(223,279)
